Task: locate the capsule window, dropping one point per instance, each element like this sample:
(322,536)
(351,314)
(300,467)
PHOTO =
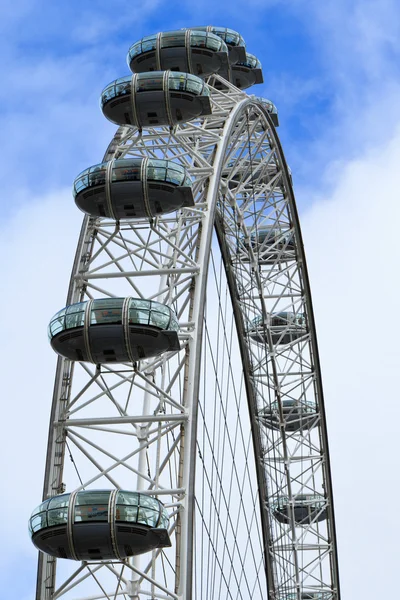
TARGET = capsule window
(213,42)
(232,38)
(123,86)
(97,177)
(97,512)
(57,324)
(57,516)
(136,49)
(159,320)
(148,43)
(156,173)
(108,93)
(138,317)
(164,519)
(177,81)
(147,516)
(198,39)
(106,311)
(149,81)
(81,183)
(91,506)
(126,513)
(75,315)
(173,39)
(38,522)
(126,173)
(173,324)
(194,85)
(175,176)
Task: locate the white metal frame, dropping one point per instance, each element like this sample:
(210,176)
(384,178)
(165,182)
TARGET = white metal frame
(241,182)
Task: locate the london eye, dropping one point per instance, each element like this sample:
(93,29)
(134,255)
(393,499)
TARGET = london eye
(187,454)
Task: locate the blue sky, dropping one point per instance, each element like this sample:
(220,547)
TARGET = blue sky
(332,68)
(57,56)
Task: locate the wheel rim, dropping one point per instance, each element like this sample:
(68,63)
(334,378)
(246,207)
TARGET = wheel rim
(167,260)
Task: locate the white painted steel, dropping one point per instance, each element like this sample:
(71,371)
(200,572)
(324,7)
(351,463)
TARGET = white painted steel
(218,467)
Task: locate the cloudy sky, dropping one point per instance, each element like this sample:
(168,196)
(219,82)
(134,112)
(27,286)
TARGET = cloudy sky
(333,70)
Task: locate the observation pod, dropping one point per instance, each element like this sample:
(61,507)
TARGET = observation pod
(114,330)
(272,244)
(285,327)
(133,187)
(153,99)
(297,415)
(234,41)
(307,509)
(246,73)
(99,525)
(311,595)
(198,52)
(252,173)
(271,108)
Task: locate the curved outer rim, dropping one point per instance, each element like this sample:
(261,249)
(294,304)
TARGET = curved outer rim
(314,347)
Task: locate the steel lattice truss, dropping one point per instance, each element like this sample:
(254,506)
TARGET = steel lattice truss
(189,426)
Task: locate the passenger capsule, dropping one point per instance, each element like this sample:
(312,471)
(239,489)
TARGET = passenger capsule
(199,52)
(311,595)
(99,525)
(114,330)
(133,188)
(258,171)
(270,108)
(272,244)
(285,328)
(297,415)
(247,73)
(155,99)
(307,509)
(234,41)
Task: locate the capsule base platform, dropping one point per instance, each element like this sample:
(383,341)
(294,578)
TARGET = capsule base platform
(92,541)
(107,343)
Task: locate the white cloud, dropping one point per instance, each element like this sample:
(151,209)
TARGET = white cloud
(37,247)
(351,239)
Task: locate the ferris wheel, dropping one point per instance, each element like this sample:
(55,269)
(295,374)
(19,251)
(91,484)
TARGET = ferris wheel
(187,454)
